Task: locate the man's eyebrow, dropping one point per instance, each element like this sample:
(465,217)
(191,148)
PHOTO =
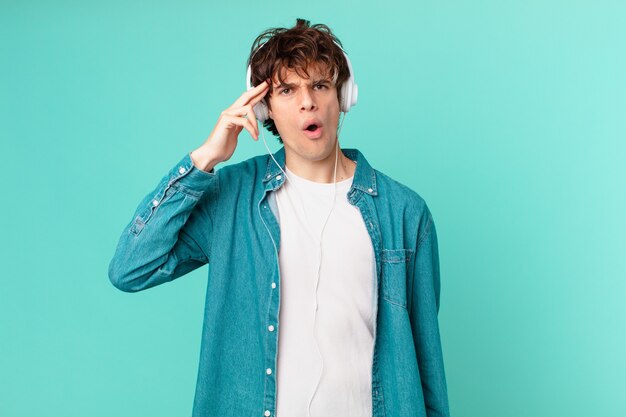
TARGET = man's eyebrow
(283,85)
(324,79)
(291,85)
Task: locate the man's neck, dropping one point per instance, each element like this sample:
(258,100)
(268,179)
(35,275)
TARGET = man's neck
(322,171)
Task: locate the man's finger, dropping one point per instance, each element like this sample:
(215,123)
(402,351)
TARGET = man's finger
(253,119)
(258,91)
(257,98)
(245,123)
(251,94)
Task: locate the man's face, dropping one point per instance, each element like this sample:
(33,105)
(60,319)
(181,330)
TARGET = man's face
(306,113)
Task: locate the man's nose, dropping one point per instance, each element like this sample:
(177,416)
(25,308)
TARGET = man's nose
(307,100)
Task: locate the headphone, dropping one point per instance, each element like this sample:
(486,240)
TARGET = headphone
(349,91)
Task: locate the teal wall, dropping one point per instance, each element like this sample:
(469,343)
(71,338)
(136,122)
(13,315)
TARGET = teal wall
(509,118)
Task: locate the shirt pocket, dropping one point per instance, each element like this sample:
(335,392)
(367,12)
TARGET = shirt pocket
(394,275)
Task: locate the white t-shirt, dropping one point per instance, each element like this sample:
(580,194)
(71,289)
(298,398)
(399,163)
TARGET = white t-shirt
(346,298)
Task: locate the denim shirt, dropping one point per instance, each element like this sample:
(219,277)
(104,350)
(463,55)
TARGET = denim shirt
(228,218)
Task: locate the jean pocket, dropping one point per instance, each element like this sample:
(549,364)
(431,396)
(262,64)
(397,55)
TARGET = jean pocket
(394,275)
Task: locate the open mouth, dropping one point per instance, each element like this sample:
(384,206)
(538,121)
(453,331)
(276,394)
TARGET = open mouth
(312,128)
(313,131)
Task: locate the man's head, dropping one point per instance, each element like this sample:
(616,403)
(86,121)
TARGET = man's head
(307,68)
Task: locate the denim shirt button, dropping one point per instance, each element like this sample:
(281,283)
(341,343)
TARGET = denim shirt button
(273,285)
(155,203)
(270,328)
(268,371)
(267,413)
(369,190)
(278,177)
(181,170)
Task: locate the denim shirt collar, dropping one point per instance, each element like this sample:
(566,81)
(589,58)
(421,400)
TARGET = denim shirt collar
(364,175)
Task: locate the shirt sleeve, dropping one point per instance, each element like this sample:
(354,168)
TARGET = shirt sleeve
(170,232)
(424,311)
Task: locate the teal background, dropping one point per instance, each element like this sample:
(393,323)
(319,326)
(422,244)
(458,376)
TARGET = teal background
(509,118)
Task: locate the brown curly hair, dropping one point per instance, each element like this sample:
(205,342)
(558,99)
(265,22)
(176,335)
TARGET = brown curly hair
(296,48)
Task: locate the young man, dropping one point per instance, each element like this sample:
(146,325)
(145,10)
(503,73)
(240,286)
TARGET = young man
(323,288)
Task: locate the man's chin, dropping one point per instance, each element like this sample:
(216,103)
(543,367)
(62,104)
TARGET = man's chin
(317,154)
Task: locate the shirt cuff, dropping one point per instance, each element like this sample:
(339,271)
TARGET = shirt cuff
(186,174)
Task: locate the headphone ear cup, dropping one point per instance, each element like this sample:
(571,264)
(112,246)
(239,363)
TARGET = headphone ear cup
(261,111)
(349,89)
(345,96)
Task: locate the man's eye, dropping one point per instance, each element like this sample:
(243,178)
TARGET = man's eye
(283,90)
(321,85)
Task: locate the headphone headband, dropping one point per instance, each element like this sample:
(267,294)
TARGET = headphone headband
(349,91)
